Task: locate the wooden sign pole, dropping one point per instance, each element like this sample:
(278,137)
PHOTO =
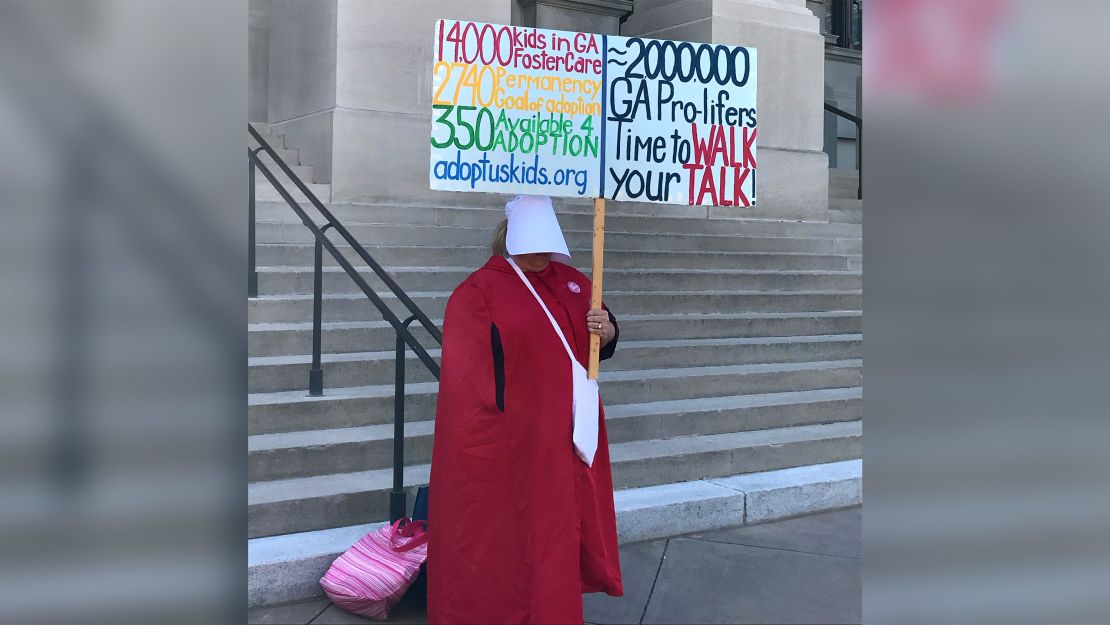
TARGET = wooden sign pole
(595,279)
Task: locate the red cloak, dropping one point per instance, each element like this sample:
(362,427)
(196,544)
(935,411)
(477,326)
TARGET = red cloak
(519,526)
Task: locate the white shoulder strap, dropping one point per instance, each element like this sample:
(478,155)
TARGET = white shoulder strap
(547,312)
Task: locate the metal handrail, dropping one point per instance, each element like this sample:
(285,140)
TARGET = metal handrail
(859,141)
(343,232)
(401,328)
(397,495)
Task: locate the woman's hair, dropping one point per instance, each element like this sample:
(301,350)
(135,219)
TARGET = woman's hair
(499,234)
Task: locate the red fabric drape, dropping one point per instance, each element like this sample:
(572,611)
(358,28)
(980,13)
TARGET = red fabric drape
(519,527)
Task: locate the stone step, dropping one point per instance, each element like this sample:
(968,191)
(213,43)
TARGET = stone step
(290,280)
(843,194)
(290,157)
(284,339)
(320,452)
(846,204)
(649,512)
(474,256)
(336,500)
(844,183)
(276,142)
(295,411)
(848,217)
(851,246)
(305,172)
(269,374)
(846,211)
(573,218)
(731,413)
(265,191)
(356,307)
(843,173)
(288,568)
(453,236)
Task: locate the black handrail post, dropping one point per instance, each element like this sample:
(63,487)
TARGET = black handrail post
(397,504)
(858,121)
(382,274)
(405,338)
(252,271)
(374,298)
(859,159)
(316,373)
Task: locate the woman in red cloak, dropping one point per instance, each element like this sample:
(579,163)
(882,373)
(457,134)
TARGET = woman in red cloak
(520,525)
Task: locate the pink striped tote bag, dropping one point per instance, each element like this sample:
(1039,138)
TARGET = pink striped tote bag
(372,576)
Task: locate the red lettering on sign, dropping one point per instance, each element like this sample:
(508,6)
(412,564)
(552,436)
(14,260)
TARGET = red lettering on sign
(749,145)
(739,198)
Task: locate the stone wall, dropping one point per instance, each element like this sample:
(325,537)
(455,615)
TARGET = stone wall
(349,84)
(842,77)
(587,16)
(258,60)
(303,55)
(382,118)
(793,178)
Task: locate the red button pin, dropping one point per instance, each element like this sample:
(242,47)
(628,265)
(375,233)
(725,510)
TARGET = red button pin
(574,288)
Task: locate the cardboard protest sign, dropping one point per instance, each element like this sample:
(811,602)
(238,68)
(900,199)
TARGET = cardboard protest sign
(680,122)
(529,110)
(516,110)
(547,112)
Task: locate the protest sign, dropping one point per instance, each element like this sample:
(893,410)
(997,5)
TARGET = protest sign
(545,112)
(529,110)
(516,110)
(680,123)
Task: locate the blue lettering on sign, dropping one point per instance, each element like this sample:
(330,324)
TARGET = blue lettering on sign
(516,171)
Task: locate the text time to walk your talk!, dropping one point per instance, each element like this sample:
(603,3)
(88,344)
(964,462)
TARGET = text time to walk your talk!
(717,161)
(722,184)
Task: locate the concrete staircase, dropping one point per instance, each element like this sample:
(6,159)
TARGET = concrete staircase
(265,192)
(844,206)
(734,396)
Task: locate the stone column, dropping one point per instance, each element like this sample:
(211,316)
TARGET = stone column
(587,16)
(384,100)
(830,127)
(302,78)
(350,85)
(258,55)
(793,177)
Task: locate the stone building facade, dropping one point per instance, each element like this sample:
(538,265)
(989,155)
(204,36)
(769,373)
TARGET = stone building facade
(348,83)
